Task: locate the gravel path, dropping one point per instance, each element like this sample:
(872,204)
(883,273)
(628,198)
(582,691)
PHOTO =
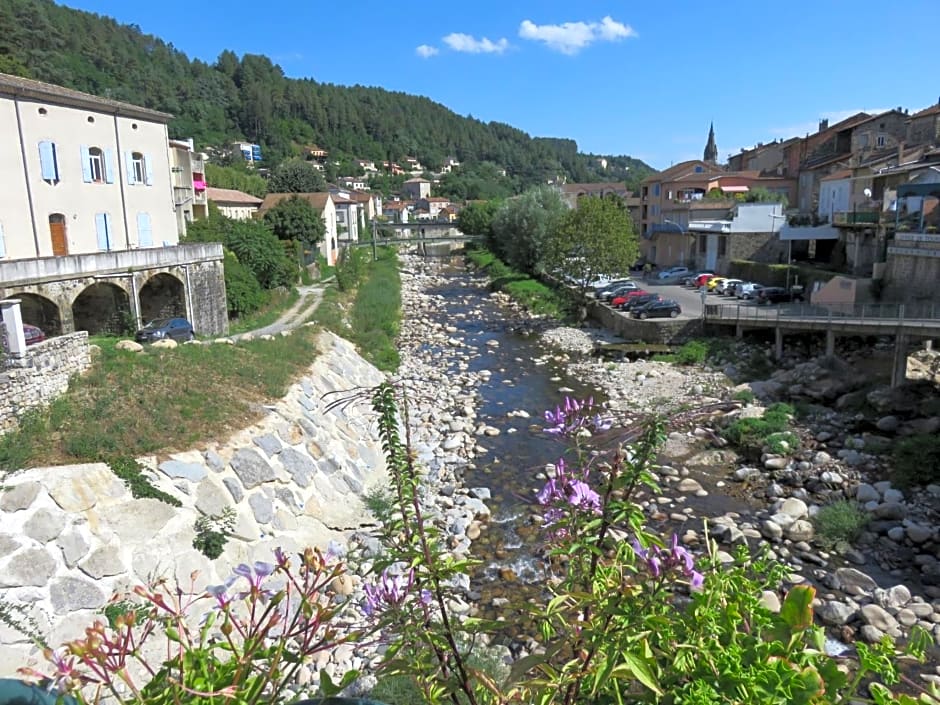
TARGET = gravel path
(297,314)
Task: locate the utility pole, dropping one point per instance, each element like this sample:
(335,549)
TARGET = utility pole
(374,231)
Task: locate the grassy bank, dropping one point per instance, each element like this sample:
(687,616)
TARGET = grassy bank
(279,301)
(531,293)
(131,404)
(366,307)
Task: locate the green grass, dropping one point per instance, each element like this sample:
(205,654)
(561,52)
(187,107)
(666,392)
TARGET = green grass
(368,314)
(531,293)
(839,522)
(751,435)
(277,303)
(132,404)
(916,461)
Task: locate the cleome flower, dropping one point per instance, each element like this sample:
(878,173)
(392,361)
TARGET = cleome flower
(389,591)
(575,417)
(675,559)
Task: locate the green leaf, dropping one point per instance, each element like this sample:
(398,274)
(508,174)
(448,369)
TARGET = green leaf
(639,668)
(797,608)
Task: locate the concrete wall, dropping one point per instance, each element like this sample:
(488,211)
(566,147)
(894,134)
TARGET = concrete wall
(913,267)
(40,376)
(667,332)
(924,130)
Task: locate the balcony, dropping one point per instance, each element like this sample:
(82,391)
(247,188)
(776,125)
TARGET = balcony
(200,198)
(856,218)
(181,195)
(198,165)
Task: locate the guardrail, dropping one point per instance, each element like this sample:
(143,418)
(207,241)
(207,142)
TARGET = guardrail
(873,313)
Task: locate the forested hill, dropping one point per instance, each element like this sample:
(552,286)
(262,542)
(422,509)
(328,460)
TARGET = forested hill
(250,98)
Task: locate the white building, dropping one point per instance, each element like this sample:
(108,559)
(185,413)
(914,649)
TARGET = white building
(188,175)
(80,174)
(233,203)
(323,204)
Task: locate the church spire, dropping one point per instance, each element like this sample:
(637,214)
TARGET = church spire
(711,149)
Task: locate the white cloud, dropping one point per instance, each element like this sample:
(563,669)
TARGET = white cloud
(471,45)
(571,37)
(426,51)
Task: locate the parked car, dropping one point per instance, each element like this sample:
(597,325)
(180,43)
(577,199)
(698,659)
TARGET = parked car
(702,279)
(713,282)
(722,287)
(178,329)
(620,290)
(692,279)
(636,302)
(777,294)
(619,301)
(33,334)
(658,309)
(601,292)
(673,273)
(747,290)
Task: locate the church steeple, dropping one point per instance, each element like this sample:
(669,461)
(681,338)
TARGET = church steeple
(711,149)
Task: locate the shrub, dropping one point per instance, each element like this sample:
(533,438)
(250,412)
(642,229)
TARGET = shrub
(212,532)
(131,472)
(745,395)
(695,352)
(350,269)
(839,522)
(751,435)
(242,291)
(916,461)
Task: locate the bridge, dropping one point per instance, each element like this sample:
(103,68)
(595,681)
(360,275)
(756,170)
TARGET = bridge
(420,238)
(904,321)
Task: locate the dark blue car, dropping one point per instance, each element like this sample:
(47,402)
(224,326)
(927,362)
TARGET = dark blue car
(178,329)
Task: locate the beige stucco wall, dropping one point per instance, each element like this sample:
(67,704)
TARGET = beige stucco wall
(70,129)
(238,212)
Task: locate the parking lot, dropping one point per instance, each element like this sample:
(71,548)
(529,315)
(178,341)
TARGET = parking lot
(689,299)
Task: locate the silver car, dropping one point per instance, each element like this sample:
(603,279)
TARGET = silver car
(748,290)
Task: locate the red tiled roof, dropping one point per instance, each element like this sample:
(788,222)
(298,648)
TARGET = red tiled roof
(233,196)
(932,110)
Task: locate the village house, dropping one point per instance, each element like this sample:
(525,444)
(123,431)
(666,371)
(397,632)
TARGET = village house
(433,205)
(89,238)
(416,188)
(234,204)
(323,204)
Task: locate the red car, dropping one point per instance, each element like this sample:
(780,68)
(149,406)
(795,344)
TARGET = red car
(621,300)
(33,334)
(702,279)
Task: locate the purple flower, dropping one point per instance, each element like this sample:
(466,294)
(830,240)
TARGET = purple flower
(220,592)
(575,416)
(255,576)
(580,495)
(676,559)
(389,591)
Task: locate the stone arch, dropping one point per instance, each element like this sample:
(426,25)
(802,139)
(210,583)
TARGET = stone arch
(102,307)
(37,310)
(163,296)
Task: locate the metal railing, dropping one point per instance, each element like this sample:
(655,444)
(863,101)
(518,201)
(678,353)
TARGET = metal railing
(873,313)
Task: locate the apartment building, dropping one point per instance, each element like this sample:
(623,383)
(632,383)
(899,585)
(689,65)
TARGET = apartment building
(188,176)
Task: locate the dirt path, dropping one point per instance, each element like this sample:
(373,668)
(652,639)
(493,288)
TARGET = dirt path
(297,314)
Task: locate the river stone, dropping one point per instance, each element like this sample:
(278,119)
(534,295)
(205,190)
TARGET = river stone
(892,495)
(452,443)
(866,493)
(890,510)
(855,582)
(43,526)
(821,458)
(269,443)
(70,594)
(794,507)
(210,498)
(871,634)
(103,561)
(835,613)
(34,566)
(8,544)
(19,496)
(771,530)
(878,617)
(301,467)
(918,533)
(83,487)
(778,463)
(74,547)
(896,533)
(888,424)
(251,468)
(129,346)
(194,472)
(262,507)
(139,520)
(800,530)
(893,598)
(689,485)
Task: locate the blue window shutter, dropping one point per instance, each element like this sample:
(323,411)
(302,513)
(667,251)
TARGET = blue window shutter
(148,170)
(3,247)
(108,230)
(47,163)
(101,226)
(109,165)
(86,165)
(144,230)
(129,167)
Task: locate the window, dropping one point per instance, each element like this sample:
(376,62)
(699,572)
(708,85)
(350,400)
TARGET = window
(656,190)
(698,169)
(144,230)
(97,165)
(881,140)
(48,162)
(722,245)
(103,230)
(138,168)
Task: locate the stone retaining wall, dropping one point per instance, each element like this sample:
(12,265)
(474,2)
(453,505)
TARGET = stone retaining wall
(41,375)
(664,331)
(72,536)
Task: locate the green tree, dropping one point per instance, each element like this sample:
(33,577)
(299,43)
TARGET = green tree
(242,291)
(237,177)
(295,219)
(595,239)
(296,176)
(477,218)
(522,225)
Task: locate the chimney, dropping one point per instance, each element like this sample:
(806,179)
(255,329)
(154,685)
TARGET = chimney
(824,124)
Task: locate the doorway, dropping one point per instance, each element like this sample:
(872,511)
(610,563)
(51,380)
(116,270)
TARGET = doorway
(60,245)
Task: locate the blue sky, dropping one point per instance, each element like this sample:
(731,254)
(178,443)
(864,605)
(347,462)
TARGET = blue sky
(620,77)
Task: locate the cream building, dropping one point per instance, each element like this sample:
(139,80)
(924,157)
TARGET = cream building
(233,203)
(80,174)
(188,176)
(324,205)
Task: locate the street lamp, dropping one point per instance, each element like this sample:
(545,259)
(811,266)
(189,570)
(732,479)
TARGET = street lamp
(773,217)
(682,245)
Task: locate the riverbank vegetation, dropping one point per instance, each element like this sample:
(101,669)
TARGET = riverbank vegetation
(365,305)
(133,404)
(531,293)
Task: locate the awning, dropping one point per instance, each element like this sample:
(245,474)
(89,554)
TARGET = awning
(734,189)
